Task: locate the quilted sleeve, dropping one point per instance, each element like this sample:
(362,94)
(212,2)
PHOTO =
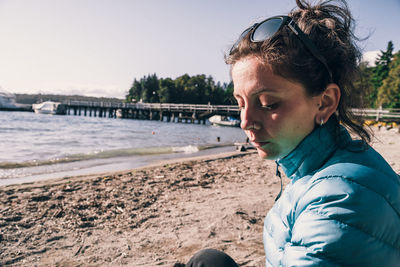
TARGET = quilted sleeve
(340,222)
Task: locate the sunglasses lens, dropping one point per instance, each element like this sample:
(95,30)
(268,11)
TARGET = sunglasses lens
(266,29)
(235,45)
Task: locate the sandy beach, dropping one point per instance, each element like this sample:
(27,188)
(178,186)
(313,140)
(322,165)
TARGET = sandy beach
(152,216)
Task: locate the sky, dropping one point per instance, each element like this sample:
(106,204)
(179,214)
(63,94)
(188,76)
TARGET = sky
(98,47)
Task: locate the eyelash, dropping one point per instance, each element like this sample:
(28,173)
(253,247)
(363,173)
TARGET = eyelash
(270,107)
(267,107)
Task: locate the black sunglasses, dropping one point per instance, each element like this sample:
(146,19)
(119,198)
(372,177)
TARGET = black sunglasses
(267,29)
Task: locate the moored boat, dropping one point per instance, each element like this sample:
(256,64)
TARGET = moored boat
(224,121)
(49,107)
(8,102)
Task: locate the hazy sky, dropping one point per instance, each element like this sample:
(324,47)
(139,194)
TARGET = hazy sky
(97,47)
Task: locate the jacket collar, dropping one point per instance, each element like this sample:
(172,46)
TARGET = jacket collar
(314,150)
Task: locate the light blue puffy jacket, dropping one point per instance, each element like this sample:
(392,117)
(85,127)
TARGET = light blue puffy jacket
(341,208)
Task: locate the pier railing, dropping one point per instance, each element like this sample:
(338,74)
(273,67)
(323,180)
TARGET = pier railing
(151,111)
(156,106)
(197,111)
(378,114)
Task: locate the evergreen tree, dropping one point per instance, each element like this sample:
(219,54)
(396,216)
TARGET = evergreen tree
(194,90)
(167,91)
(228,94)
(150,87)
(380,72)
(389,92)
(363,87)
(135,92)
(180,84)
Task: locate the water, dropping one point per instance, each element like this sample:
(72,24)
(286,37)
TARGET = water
(38,146)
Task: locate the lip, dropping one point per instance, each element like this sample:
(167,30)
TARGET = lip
(260,143)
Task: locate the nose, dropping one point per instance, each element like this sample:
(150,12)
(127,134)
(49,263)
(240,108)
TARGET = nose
(247,118)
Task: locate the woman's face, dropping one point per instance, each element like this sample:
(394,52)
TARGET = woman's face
(276,114)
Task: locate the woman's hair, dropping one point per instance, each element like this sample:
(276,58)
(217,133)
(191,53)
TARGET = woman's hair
(330,26)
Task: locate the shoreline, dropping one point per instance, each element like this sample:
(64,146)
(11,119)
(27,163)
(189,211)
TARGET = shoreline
(117,164)
(154,164)
(155,215)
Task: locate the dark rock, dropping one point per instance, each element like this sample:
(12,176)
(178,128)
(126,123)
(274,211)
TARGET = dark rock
(82,207)
(86,225)
(41,198)
(59,214)
(11,197)
(54,238)
(26,225)
(60,197)
(9,192)
(71,189)
(13,219)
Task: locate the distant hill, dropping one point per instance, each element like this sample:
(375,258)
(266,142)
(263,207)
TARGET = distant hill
(38,98)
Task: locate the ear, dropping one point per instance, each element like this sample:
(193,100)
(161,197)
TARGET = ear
(327,103)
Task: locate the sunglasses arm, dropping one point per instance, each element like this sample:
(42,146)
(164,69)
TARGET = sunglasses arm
(310,46)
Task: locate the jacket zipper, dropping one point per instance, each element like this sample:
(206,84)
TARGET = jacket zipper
(278,173)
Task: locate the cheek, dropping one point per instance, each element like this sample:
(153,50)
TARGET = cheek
(275,121)
(287,123)
(298,123)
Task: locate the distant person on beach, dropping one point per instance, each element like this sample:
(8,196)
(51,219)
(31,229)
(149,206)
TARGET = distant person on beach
(293,81)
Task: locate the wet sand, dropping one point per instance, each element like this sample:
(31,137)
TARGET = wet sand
(152,216)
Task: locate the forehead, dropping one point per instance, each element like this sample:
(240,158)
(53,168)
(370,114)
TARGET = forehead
(251,76)
(249,70)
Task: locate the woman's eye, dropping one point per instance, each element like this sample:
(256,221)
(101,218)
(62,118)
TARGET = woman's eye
(270,106)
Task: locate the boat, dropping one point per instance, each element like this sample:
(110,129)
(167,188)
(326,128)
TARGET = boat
(118,113)
(49,107)
(8,102)
(224,121)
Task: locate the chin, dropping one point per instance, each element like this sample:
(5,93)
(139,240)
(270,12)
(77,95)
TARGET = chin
(266,154)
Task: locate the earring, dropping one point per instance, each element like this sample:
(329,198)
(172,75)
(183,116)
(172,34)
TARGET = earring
(322,122)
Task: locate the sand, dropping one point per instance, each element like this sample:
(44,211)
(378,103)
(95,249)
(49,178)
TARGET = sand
(152,216)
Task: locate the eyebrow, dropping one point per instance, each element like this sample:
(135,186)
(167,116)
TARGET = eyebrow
(265,90)
(262,90)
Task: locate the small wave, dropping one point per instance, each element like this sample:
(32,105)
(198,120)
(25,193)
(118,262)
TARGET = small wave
(106,154)
(204,147)
(186,149)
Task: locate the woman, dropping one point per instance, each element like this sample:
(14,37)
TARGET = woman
(292,80)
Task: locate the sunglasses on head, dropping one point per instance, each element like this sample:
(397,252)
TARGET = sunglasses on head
(266,29)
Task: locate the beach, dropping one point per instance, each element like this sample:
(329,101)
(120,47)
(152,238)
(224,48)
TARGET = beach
(157,215)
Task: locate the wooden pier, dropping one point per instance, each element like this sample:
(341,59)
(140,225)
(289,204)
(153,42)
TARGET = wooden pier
(188,113)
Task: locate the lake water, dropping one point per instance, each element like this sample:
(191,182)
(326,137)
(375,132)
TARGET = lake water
(38,146)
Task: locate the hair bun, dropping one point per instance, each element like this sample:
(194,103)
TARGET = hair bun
(302,5)
(329,23)
(308,10)
(330,14)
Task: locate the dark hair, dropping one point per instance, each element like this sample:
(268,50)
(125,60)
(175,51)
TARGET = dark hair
(330,26)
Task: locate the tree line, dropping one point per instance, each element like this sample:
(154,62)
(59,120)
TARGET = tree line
(377,86)
(198,89)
